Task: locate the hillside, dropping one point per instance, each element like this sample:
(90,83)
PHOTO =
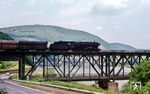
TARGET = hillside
(53,33)
(4,36)
(119,46)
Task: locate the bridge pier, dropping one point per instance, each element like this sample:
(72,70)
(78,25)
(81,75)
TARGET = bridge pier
(21,70)
(113,86)
(103,84)
(108,85)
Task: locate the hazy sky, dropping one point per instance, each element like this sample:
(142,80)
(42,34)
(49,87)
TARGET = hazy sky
(124,21)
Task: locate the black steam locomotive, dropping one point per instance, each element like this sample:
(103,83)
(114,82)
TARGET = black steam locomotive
(56,46)
(74,46)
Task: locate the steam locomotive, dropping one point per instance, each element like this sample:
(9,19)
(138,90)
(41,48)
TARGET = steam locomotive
(43,45)
(74,46)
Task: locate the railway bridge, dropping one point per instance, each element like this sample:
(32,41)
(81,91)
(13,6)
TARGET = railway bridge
(101,66)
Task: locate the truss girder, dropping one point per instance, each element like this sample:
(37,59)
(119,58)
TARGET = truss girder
(82,66)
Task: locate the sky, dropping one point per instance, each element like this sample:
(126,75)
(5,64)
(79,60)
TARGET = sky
(115,21)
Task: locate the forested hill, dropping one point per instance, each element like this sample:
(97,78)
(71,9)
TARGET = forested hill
(54,33)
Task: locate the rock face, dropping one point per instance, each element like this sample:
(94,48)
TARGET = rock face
(54,33)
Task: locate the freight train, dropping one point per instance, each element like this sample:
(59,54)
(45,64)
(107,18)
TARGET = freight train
(43,45)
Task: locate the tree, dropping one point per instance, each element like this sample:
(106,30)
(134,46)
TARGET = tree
(146,89)
(141,72)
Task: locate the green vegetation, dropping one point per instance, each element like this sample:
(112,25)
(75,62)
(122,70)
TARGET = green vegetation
(6,66)
(13,77)
(28,60)
(92,88)
(38,78)
(140,74)
(4,36)
(9,66)
(38,75)
(75,85)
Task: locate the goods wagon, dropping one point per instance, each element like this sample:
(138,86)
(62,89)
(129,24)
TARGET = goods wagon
(8,45)
(32,45)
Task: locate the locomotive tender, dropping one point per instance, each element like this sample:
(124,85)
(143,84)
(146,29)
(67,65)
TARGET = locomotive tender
(42,45)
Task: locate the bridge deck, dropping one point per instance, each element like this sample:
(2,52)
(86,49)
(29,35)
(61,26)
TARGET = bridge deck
(48,52)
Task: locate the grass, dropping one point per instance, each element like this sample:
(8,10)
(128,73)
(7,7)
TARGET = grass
(13,68)
(65,84)
(35,86)
(76,85)
(37,77)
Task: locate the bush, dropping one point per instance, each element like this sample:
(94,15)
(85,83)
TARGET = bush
(127,90)
(146,89)
(141,72)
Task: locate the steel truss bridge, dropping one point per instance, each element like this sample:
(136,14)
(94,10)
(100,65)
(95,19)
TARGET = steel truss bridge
(77,66)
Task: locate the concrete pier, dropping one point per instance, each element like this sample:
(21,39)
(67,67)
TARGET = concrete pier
(108,85)
(113,86)
(103,84)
